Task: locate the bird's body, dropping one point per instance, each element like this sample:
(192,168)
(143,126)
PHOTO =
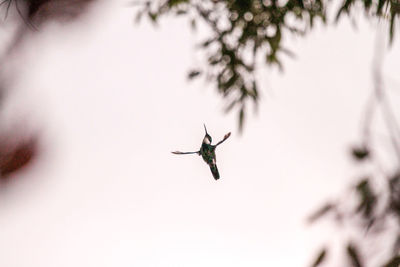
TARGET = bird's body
(207,152)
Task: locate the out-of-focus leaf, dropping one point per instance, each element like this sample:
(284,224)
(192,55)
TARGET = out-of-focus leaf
(344,8)
(193,74)
(367,199)
(288,52)
(367,4)
(321,212)
(353,255)
(320,258)
(138,16)
(193,24)
(393,262)
(254,91)
(172,3)
(208,42)
(391,30)
(181,12)
(394,185)
(360,153)
(15,158)
(241,119)
(396,246)
(231,105)
(153,16)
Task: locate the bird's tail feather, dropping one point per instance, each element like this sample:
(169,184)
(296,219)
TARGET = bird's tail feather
(214,171)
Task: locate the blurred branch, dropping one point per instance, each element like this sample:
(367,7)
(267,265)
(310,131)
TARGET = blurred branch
(381,96)
(375,209)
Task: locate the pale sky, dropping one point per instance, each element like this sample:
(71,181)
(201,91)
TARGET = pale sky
(111,101)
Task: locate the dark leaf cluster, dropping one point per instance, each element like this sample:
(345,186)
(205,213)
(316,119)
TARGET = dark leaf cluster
(388,9)
(242,31)
(373,209)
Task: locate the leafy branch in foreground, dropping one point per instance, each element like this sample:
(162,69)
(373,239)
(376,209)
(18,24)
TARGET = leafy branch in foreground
(242,31)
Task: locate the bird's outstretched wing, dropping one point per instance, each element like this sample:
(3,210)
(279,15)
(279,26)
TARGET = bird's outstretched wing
(184,153)
(223,140)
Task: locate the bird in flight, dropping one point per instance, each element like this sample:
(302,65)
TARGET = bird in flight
(207,151)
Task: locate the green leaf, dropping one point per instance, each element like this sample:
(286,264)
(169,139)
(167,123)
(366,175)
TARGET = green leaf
(345,8)
(367,199)
(207,42)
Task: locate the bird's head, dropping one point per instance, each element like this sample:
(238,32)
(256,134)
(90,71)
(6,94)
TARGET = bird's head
(207,138)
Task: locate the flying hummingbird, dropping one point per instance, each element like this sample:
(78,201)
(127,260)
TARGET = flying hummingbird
(207,151)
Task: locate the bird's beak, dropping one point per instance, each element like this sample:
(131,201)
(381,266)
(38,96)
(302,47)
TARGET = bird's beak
(205,128)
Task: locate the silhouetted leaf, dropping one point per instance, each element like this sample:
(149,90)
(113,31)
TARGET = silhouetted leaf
(391,30)
(344,8)
(381,3)
(320,258)
(354,255)
(241,119)
(153,16)
(394,185)
(193,74)
(15,158)
(321,212)
(138,16)
(231,105)
(172,3)
(393,262)
(367,198)
(360,153)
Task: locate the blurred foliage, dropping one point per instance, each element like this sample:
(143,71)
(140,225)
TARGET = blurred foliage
(245,30)
(376,212)
(320,258)
(353,254)
(36,12)
(360,153)
(240,31)
(15,156)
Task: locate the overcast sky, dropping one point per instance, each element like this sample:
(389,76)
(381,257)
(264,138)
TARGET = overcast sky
(111,101)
